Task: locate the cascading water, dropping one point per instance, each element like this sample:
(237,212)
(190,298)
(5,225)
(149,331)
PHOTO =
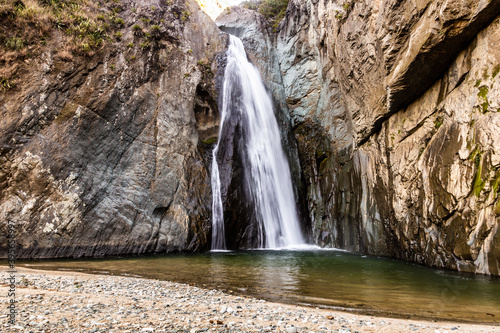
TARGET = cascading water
(267,174)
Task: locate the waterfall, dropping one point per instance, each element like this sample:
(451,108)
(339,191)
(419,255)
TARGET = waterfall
(267,174)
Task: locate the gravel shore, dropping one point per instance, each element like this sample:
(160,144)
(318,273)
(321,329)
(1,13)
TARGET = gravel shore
(75,302)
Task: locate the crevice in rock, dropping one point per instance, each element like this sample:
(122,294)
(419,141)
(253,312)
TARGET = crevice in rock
(429,65)
(376,128)
(207,115)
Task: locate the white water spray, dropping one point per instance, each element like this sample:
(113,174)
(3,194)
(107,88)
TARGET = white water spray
(267,172)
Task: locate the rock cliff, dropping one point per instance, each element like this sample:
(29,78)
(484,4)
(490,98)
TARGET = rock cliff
(106,154)
(395,106)
(394,111)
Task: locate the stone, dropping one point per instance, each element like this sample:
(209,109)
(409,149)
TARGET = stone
(114,163)
(393,158)
(389,113)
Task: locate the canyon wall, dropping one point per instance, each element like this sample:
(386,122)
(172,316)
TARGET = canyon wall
(389,113)
(395,106)
(106,154)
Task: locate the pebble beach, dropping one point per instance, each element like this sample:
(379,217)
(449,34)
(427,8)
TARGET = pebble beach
(60,301)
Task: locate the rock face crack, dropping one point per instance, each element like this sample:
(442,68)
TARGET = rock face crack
(441,45)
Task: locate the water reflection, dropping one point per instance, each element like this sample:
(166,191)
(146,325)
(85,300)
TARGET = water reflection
(217,268)
(279,272)
(328,278)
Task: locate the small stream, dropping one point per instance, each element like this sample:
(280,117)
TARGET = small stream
(327,278)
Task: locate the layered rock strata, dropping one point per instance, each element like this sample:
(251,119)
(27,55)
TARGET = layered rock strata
(107,155)
(395,109)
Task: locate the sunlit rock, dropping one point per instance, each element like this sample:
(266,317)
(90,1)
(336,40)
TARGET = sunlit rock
(215,7)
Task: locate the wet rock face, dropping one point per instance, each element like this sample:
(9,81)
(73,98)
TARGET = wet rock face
(394,105)
(259,44)
(105,155)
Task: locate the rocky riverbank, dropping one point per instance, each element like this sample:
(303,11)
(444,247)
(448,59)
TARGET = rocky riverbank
(70,301)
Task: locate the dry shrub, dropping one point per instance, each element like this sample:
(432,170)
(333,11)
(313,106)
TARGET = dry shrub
(66,54)
(27,27)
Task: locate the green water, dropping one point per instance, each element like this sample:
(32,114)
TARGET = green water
(321,278)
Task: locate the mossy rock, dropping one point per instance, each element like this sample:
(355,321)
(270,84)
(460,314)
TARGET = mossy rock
(210,141)
(478,181)
(483,95)
(495,182)
(497,207)
(496,70)
(67,112)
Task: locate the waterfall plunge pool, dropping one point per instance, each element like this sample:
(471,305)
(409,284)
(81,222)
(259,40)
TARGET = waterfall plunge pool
(324,278)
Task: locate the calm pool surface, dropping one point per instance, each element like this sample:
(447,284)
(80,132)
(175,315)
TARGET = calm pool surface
(322,278)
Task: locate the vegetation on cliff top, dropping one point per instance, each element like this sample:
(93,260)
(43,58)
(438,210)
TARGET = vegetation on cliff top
(273,10)
(70,30)
(27,26)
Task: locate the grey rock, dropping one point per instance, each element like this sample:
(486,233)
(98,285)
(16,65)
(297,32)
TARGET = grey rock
(113,162)
(395,112)
(389,112)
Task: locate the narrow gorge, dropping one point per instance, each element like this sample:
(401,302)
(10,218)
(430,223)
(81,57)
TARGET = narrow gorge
(388,115)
